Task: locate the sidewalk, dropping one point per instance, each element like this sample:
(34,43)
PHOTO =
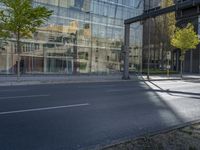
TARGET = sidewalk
(11,80)
(171,77)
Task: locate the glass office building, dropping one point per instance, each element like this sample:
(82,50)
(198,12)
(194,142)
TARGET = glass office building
(82,36)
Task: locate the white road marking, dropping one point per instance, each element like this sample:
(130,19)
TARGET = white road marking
(25,96)
(13,90)
(42,109)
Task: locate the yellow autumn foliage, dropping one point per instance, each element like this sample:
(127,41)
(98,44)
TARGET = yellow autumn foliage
(185,38)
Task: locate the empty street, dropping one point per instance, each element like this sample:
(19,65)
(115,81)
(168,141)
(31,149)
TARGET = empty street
(92,115)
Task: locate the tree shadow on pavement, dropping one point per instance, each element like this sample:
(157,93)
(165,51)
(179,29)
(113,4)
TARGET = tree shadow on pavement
(175,93)
(133,112)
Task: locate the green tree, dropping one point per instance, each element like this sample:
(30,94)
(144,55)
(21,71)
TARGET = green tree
(185,39)
(19,19)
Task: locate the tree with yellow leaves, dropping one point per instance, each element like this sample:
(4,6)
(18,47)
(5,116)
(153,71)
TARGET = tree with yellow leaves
(185,39)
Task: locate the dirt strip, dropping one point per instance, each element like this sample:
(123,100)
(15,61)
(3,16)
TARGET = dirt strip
(186,138)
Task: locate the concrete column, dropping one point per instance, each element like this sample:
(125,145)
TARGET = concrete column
(126,52)
(67,66)
(12,57)
(45,62)
(7,61)
(52,65)
(72,60)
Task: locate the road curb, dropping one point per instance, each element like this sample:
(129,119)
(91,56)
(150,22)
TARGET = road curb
(35,82)
(21,83)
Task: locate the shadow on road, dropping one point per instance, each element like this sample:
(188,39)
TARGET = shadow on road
(176,93)
(118,111)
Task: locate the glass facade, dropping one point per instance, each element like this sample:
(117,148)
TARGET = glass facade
(82,36)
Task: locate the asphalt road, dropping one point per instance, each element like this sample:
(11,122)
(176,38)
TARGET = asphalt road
(91,115)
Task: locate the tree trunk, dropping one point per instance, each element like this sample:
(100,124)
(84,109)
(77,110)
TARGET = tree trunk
(18,54)
(181,73)
(182,60)
(162,56)
(18,66)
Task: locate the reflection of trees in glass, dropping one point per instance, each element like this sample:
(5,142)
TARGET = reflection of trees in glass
(20,19)
(3,44)
(83,65)
(83,55)
(164,28)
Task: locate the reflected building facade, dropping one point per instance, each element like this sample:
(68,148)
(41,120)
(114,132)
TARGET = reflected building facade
(82,36)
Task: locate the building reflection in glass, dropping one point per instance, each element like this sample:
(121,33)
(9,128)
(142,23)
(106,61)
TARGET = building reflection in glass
(82,36)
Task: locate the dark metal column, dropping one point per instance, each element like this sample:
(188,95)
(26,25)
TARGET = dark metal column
(126,52)
(191,61)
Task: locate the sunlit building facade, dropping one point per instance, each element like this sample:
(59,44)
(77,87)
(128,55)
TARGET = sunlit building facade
(82,36)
